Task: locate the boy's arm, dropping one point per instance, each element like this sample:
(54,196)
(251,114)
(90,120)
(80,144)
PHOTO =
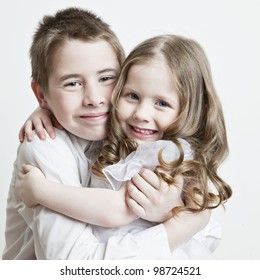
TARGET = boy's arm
(55,235)
(81,204)
(182,228)
(59,237)
(98,206)
(75,240)
(179,230)
(58,162)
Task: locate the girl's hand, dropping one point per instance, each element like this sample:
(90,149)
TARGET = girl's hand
(152,199)
(39,120)
(29,177)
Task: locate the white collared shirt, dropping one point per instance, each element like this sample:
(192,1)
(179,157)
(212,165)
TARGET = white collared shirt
(40,233)
(202,245)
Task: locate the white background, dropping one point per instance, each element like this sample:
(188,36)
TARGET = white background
(228,30)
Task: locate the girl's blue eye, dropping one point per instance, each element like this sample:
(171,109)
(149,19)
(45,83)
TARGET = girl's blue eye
(133,96)
(162,103)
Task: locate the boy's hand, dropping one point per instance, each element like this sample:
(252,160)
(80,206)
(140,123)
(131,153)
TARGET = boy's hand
(153,199)
(29,177)
(39,120)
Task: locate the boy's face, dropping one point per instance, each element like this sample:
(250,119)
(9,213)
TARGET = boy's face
(80,86)
(149,102)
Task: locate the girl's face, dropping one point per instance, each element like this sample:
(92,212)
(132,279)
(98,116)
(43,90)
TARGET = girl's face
(149,102)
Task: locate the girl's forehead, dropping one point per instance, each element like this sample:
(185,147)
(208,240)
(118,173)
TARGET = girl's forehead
(154,67)
(155,62)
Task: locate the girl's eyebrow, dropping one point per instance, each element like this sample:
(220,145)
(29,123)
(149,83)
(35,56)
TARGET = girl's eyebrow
(128,87)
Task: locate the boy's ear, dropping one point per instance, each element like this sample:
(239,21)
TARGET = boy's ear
(39,94)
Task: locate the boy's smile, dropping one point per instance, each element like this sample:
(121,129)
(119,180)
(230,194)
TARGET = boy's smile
(80,87)
(94,117)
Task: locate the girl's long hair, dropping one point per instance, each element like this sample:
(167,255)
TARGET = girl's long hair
(200,122)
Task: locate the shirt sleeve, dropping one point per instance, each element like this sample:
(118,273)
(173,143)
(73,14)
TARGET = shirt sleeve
(151,243)
(52,230)
(59,237)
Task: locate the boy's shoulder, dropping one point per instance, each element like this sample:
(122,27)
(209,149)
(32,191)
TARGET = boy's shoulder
(61,159)
(62,137)
(63,144)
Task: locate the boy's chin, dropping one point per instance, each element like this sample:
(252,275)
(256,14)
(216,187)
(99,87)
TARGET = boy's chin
(94,136)
(94,133)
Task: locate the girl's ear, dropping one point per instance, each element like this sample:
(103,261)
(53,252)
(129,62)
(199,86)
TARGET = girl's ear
(39,94)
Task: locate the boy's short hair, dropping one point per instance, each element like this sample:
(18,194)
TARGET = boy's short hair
(53,31)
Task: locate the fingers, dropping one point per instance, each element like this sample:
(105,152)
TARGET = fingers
(40,120)
(26,131)
(138,196)
(39,128)
(28,128)
(21,134)
(146,185)
(134,206)
(178,181)
(153,180)
(150,177)
(38,125)
(25,168)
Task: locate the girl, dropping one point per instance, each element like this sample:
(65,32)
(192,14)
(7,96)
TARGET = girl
(164,92)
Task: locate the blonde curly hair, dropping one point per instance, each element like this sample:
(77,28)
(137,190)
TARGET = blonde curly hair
(200,122)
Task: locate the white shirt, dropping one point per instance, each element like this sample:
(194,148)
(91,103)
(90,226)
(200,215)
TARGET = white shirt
(40,233)
(202,244)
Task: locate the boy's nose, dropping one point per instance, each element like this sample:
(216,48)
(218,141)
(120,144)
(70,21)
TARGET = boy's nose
(93,97)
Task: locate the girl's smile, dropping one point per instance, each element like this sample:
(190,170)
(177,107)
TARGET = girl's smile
(141,133)
(149,102)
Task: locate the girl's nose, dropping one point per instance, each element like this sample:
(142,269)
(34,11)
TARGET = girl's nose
(142,113)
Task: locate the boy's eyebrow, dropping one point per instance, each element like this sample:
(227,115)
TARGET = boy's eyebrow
(108,70)
(65,77)
(75,75)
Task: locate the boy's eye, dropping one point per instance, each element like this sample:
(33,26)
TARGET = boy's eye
(133,96)
(73,84)
(106,78)
(162,103)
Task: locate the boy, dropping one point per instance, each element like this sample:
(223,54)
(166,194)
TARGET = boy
(76,87)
